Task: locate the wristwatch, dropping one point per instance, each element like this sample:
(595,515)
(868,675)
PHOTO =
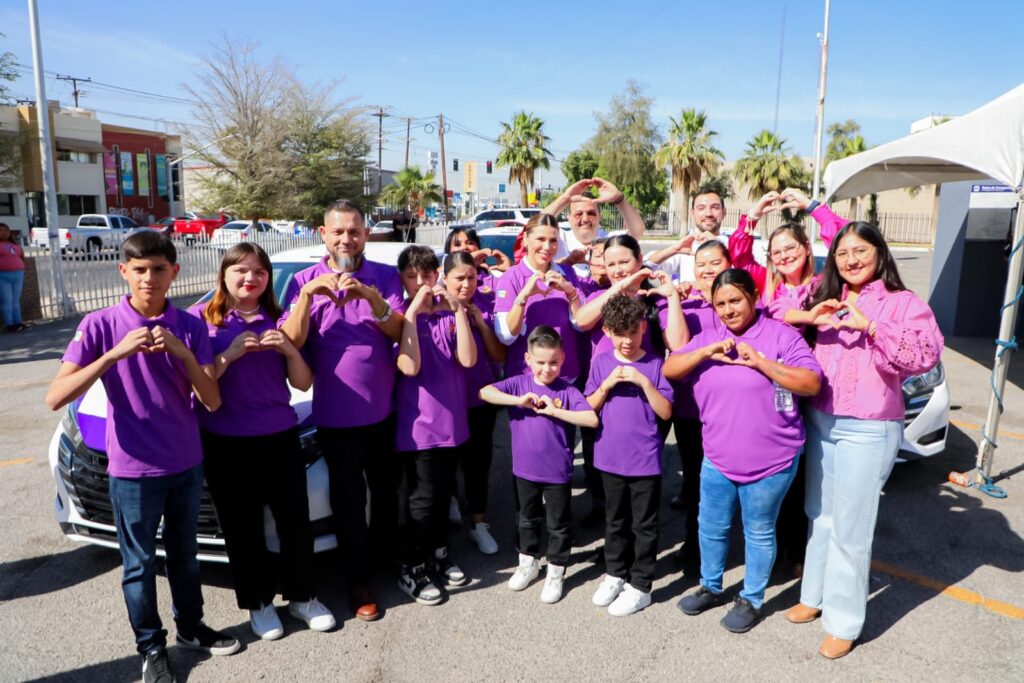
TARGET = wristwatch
(386,315)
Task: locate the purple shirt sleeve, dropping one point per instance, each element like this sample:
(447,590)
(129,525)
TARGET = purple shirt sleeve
(86,346)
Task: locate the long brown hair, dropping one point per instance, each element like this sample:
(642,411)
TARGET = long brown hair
(220,303)
(773,278)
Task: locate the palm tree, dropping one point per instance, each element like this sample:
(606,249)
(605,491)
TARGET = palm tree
(523,150)
(769,166)
(690,154)
(844,147)
(411,190)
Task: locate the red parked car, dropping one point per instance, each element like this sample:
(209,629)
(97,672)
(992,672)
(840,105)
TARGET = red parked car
(200,227)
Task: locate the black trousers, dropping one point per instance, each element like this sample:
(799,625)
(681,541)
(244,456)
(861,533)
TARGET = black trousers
(246,474)
(428,482)
(690,442)
(474,457)
(631,528)
(359,458)
(591,475)
(792,526)
(534,498)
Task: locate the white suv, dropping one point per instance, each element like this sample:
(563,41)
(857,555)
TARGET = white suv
(507,214)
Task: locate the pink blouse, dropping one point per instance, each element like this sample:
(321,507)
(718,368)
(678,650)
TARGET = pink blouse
(864,376)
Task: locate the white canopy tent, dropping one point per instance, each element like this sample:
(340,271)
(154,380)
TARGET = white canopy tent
(987,143)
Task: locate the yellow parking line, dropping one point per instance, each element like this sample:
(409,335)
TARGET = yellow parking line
(15,461)
(970,425)
(954,592)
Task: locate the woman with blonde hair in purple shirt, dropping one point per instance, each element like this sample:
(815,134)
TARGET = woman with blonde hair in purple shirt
(879,334)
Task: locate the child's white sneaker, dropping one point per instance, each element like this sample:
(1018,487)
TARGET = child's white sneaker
(315,615)
(481,535)
(526,572)
(630,601)
(552,592)
(608,590)
(265,623)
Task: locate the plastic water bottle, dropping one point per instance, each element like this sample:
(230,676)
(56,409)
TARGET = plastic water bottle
(783,397)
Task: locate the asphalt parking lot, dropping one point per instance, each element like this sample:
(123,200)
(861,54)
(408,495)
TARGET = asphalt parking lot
(947,588)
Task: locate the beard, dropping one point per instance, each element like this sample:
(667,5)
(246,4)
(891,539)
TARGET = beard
(348,264)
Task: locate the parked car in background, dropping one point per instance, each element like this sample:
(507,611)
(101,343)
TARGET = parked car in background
(200,227)
(230,234)
(93,234)
(381,231)
(506,214)
(168,225)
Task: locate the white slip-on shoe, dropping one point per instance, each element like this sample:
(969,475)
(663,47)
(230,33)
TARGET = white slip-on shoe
(265,623)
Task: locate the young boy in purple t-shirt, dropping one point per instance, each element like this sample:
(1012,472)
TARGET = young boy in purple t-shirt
(627,388)
(150,357)
(430,400)
(543,413)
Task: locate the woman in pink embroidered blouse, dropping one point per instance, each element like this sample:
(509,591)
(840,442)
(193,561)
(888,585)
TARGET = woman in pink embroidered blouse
(879,334)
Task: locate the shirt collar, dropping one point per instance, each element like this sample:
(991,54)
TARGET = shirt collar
(531,269)
(167,318)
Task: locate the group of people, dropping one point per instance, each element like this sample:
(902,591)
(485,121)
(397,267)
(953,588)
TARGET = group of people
(763,372)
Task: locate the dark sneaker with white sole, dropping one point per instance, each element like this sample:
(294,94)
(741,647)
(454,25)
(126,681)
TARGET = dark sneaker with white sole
(417,584)
(742,617)
(446,570)
(156,668)
(700,600)
(205,639)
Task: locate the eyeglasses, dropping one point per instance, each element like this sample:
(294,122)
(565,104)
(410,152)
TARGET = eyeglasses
(860,253)
(791,250)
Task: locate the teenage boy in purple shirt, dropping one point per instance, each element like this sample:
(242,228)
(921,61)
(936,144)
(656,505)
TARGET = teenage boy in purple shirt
(342,316)
(628,390)
(150,358)
(544,411)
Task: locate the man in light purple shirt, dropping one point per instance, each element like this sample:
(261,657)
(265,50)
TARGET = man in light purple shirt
(341,313)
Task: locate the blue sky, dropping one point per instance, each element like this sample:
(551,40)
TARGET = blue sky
(890,62)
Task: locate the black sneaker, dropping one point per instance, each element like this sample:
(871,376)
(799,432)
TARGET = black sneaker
(416,583)
(156,668)
(700,600)
(446,570)
(207,640)
(742,617)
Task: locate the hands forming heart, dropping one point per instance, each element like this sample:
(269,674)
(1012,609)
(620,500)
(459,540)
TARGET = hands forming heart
(789,199)
(542,405)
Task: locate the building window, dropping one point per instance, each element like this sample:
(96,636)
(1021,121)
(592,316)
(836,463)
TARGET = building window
(6,204)
(75,204)
(76,157)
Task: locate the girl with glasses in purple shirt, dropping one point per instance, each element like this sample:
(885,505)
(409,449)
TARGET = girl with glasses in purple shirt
(251,450)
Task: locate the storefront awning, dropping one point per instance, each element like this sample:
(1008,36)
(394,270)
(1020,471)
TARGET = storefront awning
(78,145)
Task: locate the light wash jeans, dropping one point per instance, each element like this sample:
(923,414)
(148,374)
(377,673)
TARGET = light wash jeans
(11,282)
(759,503)
(848,461)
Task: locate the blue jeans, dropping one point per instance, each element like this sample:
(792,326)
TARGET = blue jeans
(10,295)
(759,503)
(848,461)
(139,505)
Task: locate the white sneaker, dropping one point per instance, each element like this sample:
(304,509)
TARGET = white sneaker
(265,623)
(313,613)
(608,590)
(481,535)
(552,592)
(630,601)
(528,570)
(454,513)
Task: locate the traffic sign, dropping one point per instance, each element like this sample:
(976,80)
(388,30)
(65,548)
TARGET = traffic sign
(501,187)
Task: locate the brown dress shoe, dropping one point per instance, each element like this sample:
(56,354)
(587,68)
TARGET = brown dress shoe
(802,614)
(834,648)
(364,605)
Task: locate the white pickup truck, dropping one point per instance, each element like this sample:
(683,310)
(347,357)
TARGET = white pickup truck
(94,233)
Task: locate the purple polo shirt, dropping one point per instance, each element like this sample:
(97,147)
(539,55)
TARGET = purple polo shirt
(351,358)
(431,406)
(151,429)
(552,310)
(744,436)
(628,441)
(602,343)
(700,316)
(541,445)
(483,373)
(255,399)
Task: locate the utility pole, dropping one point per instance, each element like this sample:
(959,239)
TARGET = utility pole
(820,115)
(64,304)
(380,146)
(75,92)
(444,167)
(408,130)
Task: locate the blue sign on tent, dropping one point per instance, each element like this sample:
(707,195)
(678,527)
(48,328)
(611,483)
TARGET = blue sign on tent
(501,187)
(991,188)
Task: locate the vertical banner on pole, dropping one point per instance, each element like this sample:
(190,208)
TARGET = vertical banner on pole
(161,176)
(127,175)
(143,163)
(110,173)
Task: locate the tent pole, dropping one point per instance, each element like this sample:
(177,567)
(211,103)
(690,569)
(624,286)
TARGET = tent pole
(1001,367)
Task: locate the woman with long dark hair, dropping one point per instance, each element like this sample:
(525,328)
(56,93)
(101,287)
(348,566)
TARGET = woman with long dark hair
(467,240)
(880,334)
(251,452)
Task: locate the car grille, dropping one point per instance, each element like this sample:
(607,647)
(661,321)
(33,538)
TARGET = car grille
(913,405)
(84,474)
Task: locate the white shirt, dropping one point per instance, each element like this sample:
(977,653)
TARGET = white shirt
(680,266)
(568,243)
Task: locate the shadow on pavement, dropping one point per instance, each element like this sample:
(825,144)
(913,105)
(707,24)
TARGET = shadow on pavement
(50,573)
(982,351)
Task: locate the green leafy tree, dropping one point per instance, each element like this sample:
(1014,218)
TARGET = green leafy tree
(720,183)
(411,190)
(768,165)
(690,154)
(580,164)
(10,140)
(523,150)
(624,144)
(847,141)
(839,134)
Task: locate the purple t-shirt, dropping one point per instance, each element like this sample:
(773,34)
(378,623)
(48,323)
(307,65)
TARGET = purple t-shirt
(483,373)
(351,358)
(700,316)
(431,407)
(151,429)
(745,437)
(552,310)
(628,441)
(602,343)
(541,445)
(589,340)
(254,393)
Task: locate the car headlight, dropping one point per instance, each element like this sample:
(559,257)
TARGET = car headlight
(69,423)
(310,446)
(919,384)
